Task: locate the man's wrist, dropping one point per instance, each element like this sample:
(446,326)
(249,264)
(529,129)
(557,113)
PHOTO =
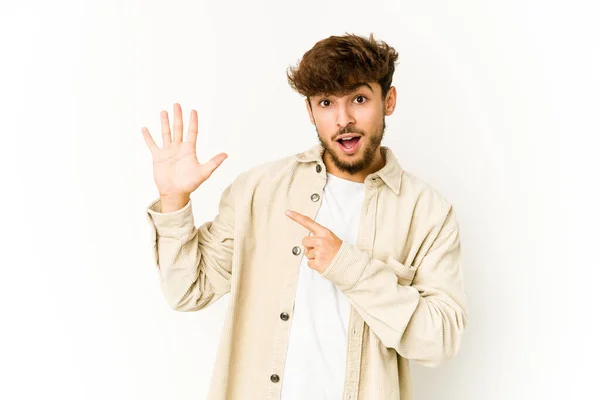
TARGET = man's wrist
(173,203)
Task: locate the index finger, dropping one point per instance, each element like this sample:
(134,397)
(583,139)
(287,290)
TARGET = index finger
(193,127)
(305,221)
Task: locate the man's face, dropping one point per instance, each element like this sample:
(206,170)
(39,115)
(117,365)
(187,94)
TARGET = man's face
(360,113)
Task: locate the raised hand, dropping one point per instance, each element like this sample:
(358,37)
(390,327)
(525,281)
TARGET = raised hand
(177,172)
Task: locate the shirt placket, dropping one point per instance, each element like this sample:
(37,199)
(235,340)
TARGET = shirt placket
(356,325)
(286,304)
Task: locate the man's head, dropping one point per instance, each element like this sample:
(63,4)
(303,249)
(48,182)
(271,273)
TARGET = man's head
(347,83)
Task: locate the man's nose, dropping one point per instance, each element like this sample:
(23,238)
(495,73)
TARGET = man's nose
(344,116)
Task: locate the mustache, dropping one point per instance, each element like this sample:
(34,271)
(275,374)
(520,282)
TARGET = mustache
(349,130)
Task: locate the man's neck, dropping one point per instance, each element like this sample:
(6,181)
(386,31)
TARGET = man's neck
(376,165)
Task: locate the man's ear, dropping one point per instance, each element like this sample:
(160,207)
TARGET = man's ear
(390,101)
(309,109)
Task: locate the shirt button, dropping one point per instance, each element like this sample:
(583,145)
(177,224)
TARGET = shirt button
(284,316)
(274,378)
(319,168)
(296,250)
(315,197)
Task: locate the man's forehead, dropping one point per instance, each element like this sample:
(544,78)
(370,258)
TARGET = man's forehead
(350,89)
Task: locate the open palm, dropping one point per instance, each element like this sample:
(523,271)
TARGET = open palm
(177,171)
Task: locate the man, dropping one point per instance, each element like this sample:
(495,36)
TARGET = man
(332,299)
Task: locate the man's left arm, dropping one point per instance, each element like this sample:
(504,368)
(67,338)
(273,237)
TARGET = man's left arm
(420,311)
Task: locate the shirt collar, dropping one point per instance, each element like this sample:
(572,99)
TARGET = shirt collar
(391,172)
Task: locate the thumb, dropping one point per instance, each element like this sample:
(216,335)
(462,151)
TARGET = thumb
(213,164)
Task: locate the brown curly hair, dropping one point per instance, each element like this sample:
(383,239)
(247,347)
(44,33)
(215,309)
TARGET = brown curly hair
(337,65)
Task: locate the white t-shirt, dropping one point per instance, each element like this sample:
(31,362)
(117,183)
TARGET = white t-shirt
(316,354)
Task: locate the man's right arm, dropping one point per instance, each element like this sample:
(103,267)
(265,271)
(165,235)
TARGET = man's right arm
(194,264)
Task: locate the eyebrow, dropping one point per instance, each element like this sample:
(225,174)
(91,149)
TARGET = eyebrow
(352,88)
(361,84)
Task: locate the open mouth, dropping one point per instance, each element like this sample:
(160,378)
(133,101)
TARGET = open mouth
(349,146)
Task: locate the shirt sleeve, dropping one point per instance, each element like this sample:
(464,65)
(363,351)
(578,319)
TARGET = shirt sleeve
(194,264)
(420,311)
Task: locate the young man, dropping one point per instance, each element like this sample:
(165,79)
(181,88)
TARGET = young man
(332,300)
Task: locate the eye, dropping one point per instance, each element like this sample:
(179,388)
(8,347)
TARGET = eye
(361,97)
(328,102)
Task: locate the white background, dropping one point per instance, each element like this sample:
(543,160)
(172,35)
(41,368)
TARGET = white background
(497,108)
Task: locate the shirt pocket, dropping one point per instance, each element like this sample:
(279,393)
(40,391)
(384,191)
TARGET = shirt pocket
(404,273)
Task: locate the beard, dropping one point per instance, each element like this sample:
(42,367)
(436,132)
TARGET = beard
(366,153)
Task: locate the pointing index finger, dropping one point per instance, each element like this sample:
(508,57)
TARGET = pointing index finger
(305,221)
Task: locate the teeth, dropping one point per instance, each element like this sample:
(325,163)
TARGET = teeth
(347,138)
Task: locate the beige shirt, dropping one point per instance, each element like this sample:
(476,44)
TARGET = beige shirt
(403,277)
